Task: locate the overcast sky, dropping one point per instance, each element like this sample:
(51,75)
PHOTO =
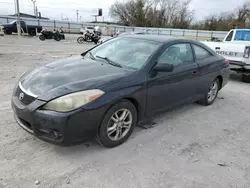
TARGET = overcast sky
(55,9)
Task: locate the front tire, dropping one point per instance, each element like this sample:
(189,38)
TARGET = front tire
(246,78)
(80,40)
(42,37)
(212,93)
(118,124)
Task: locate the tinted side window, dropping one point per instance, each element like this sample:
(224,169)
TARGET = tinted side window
(177,54)
(22,24)
(201,53)
(242,35)
(230,36)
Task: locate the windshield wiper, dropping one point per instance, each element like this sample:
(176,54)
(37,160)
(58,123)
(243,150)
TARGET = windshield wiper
(110,61)
(91,56)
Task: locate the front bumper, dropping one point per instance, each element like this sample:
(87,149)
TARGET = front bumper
(58,128)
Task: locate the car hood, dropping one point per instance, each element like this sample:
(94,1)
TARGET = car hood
(70,75)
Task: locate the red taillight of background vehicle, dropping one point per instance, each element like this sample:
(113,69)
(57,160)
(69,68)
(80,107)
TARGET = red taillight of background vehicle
(227,62)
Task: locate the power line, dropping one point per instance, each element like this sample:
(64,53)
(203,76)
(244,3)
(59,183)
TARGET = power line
(54,8)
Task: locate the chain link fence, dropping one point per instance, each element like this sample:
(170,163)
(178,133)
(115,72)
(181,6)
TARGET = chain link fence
(74,27)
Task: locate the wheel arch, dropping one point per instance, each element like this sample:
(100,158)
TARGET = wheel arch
(137,107)
(134,102)
(6,29)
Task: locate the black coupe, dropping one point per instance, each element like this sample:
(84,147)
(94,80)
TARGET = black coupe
(107,90)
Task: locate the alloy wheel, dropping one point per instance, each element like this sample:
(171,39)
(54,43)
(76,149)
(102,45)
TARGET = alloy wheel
(213,90)
(119,124)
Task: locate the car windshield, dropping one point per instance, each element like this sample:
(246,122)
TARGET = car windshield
(13,22)
(125,52)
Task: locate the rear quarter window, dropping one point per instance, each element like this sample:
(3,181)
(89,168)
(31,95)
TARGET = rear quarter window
(201,53)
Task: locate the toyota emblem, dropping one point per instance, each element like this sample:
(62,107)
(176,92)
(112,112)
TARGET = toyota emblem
(21,96)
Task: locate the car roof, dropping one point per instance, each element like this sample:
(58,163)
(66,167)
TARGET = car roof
(156,38)
(166,39)
(242,29)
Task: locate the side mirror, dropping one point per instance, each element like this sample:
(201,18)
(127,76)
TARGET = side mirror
(163,67)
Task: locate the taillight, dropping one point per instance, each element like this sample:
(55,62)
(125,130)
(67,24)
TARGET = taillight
(227,62)
(247,52)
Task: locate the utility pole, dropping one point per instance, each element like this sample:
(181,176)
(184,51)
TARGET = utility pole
(77,13)
(36,12)
(18,18)
(15,7)
(34,6)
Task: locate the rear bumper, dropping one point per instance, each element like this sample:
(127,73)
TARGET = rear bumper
(225,73)
(239,65)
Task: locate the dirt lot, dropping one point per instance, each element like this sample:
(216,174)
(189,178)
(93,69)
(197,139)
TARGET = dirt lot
(190,147)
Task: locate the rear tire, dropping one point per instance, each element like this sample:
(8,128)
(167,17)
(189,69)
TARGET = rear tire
(117,124)
(246,78)
(213,90)
(8,31)
(32,33)
(96,41)
(57,38)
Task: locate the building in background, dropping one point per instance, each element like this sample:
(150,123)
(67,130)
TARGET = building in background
(23,15)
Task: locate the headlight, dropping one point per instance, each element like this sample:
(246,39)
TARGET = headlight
(73,101)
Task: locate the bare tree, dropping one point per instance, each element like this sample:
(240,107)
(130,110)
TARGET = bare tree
(153,13)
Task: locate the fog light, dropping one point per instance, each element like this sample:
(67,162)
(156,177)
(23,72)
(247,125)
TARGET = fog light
(51,133)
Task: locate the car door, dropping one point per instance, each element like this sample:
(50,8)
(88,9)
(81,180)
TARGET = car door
(208,68)
(168,89)
(23,26)
(14,27)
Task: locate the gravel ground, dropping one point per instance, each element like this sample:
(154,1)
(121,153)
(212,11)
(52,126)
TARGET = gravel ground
(190,147)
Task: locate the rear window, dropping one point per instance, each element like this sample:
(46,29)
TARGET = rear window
(242,35)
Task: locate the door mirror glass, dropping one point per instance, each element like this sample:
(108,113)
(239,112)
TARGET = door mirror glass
(164,67)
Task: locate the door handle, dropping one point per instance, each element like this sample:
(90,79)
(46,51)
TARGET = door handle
(195,72)
(217,48)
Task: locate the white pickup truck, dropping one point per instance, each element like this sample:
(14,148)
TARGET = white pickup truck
(236,48)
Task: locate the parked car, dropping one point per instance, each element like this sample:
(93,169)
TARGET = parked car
(12,28)
(235,47)
(107,90)
(90,29)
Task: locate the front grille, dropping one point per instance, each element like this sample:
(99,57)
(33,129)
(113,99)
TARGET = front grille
(25,99)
